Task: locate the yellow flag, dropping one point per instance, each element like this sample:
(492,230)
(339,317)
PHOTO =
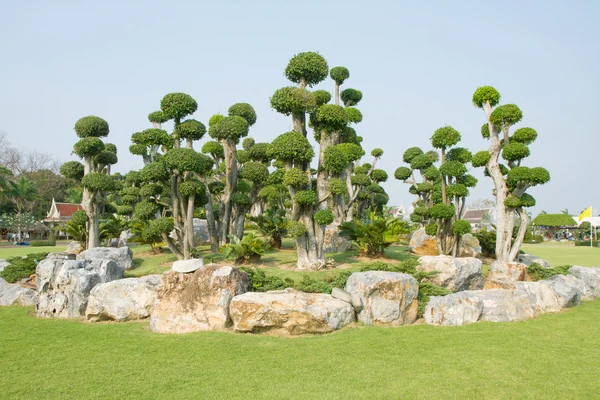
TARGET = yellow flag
(586,213)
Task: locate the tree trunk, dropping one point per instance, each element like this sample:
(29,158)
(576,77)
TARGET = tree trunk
(231,177)
(94,230)
(514,251)
(213,233)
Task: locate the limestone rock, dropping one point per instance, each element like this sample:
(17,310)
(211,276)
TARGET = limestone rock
(201,231)
(333,242)
(388,298)
(454,309)
(512,271)
(15,295)
(123,256)
(123,300)
(529,259)
(61,256)
(455,274)
(469,246)
(197,301)
(74,248)
(341,294)
(185,266)
(501,305)
(422,244)
(499,284)
(3,264)
(64,286)
(289,312)
(569,289)
(541,295)
(590,277)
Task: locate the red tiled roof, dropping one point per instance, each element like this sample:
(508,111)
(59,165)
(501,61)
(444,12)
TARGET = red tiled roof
(475,215)
(67,210)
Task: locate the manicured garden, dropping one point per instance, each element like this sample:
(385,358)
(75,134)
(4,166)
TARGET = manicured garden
(557,253)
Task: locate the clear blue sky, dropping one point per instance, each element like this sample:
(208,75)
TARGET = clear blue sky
(417,64)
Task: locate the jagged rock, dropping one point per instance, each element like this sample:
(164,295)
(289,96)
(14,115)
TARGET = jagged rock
(124,238)
(455,274)
(123,300)
(197,301)
(341,294)
(15,295)
(469,246)
(74,248)
(3,264)
(529,259)
(541,295)
(454,309)
(64,286)
(501,305)
(568,288)
(201,231)
(185,266)
(388,298)
(123,256)
(590,277)
(499,284)
(422,244)
(512,271)
(333,242)
(61,256)
(289,312)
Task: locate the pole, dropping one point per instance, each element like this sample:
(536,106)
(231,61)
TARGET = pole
(591,232)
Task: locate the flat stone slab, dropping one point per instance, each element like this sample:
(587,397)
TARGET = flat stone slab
(186,266)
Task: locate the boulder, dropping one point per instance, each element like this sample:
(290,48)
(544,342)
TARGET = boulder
(454,309)
(341,294)
(388,298)
(64,286)
(455,274)
(289,312)
(201,231)
(529,259)
(61,256)
(124,238)
(569,289)
(123,256)
(197,301)
(333,242)
(499,284)
(541,296)
(590,279)
(123,300)
(186,266)
(469,246)
(511,271)
(74,248)
(422,244)
(15,295)
(501,305)
(3,264)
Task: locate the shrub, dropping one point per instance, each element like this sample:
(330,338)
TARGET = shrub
(258,281)
(310,285)
(487,241)
(42,243)
(340,280)
(535,239)
(374,235)
(245,251)
(21,267)
(586,243)
(537,273)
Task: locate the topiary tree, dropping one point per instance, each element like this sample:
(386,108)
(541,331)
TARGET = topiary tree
(511,179)
(93,174)
(442,191)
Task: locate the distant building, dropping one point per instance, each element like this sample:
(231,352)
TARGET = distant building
(61,212)
(481,218)
(399,212)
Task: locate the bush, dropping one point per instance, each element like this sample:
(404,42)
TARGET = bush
(340,280)
(487,241)
(586,243)
(21,267)
(258,281)
(246,251)
(537,273)
(310,285)
(42,243)
(535,239)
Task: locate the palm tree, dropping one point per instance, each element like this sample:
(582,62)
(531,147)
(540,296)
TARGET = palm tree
(5,176)
(23,194)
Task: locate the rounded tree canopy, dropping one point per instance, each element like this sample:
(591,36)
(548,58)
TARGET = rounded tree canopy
(72,170)
(360,180)
(402,173)
(276,177)
(349,136)
(88,147)
(481,158)
(527,200)
(335,159)
(442,211)
(524,135)
(178,105)
(242,156)
(191,187)
(190,129)
(515,151)
(433,155)
(527,176)
(453,168)
(138,150)
(91,126)
(245,111)
(79,218)
(324,217)
(339,74)
(296,229)
(445,137)
(432,173)
(461,227)
(291,146)
(233,128)
(154,172)
(457,190)
(124,210)
(485,94)
(374,188)
(331,118)
(151,189)
(506,115)
(421,162)
(247,143)
(459,154)
(354,115)
(106,157)
(309,67)
(216,187)
(215,119)
(379,175)
(468,180)
(381,199)
(156,227)
(353,152)
(290,99)
(411,153)
(351,97)
(157,117)
(295,177)
(321,97)
(254,172)
(424,187)
(133,177)
(96,181)
(485,131)
(110,147)
(145,210)
(184,159)
(213,148)
(151,137)
(306,198)
(337,186)
(259,152)
(377,152)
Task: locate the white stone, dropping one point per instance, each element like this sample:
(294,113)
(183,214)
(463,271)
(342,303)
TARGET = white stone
(541,295)
(568,288)
(529,259)
(454,309)
(15,295)
(590,277)
(74,248)
(341,294)
(185,266)
(455,274)
(123,256)
(469,246)
(511,271)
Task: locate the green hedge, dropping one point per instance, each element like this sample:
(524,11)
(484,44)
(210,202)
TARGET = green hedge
(42,243)
(586,243)
(535,239)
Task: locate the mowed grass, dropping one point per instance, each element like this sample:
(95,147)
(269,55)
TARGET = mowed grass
(565,254)
(8,252)
(555,356)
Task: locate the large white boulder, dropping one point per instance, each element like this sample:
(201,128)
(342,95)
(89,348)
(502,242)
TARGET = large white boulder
(590,277)
(123,256)
(512,271)
(289,312)
(123,300)
(201,231)
(568,288)
(422,244)
(64,286)
(196,301)
(454,309)
(15,295)
(455,274)
(388,298)
(469,246)
(501,305)
(541,295)
(529,259)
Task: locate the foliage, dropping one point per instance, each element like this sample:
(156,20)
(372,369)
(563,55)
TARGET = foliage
(72,170)
(290,99)
(91,126)
(245,111)
(291,146)
(97,181)
(43,243)
(324,217)
(339,74)
(373,235)
(248,250)
(553,220)
(273,223)
(178,105)
(310,285)
(487,241)
(586,243)
(258,281)
(21,267)
(537,272)
(309,66)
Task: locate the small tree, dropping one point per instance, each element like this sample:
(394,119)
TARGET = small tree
(94,173)
(511,180)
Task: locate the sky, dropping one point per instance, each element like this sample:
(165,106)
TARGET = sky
(417,64)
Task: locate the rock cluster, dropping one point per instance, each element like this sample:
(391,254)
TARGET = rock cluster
(12,294)
(454,274)
(122,256)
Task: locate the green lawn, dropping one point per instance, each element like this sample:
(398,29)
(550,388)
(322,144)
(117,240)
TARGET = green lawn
(565,254)
(8,252)
(555,356)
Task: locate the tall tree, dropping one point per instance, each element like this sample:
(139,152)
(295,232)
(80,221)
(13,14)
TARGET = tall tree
(511,180)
